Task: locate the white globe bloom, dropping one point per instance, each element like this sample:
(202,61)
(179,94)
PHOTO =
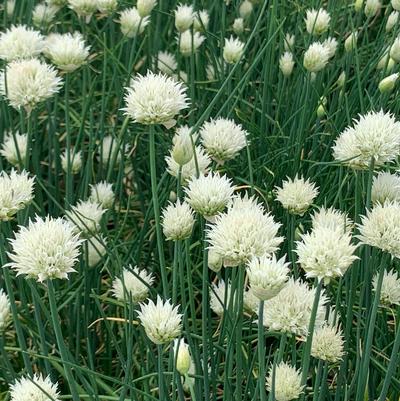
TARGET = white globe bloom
(155,99)
(184,17)
(83,8)
(296,195)
(372,7)
(5,309)
(245,9)
(331,45)
(327,344)
(86,216)
(96,249)
(36,388)
(177,221)
(75,163)
(14,148)
(133,285)
(289,42)
(317,21)
(374,135)
(145,7)
(183,360)
(107,7)
(209,194)
(331,219)
(102,194)
(267,276)
(244,231)
(161,321)
(290,310)
(189,169)
(186,40)
(238,26)
(392,20)
(380,228)
(286,64)
(132,23)
(201,20)
(233,50)
(385,187)
(287,382)
(29,82)
(390,289)
(110,149)
(316,57)
(223,138)
(68,52)
(16,192)
(46,249)
(43,14)
(219,293)
(325,253)
(166,63)
(20,42)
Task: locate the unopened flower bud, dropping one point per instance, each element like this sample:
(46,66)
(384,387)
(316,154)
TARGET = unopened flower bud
(350,42)
(183,358)
(387,84)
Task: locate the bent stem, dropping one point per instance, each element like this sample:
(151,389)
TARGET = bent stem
(156,208)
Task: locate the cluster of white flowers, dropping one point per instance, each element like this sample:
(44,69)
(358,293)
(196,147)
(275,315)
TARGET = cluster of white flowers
(327,344)
(102,194)
(37,388)
(86,217)
(233,50)
(177,221)
(14,148)
(71,161)
(5,308)
(286,381)
(132,23)
(219,293)
(317,21)
(390,289)
(385,187)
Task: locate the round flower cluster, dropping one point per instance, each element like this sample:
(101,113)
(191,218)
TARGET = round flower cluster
(390,289)
(286,381)
(177,221)
(37,388)
(327,344)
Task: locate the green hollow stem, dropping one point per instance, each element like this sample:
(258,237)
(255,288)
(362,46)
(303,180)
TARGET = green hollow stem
(161,389)
(261,351)
(60,340)
(156,208)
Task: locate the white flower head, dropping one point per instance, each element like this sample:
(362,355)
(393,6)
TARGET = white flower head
(233,50)
(201,20)
(134,284)
(245,9)
(166,62)
(36,388)
(380,228)
(287,382)
(83,8)
(86,216)
(390,289)
(325,253)
(155,99)
(184,17)
(223,138)
(189,169)
(5,309)
(43,14)
(290,310)
(29,82)
(132,23)
(107,7)
(75,161)
(316,57)
(20,42)
(186,40)
(214,260)
(145,7)
(331,45)
(332,219)
(372,7)
(296,195)
(46,249)
(161,321)
(219,293)
(110,149)
(14,148)
(238,26)
(251,303)
(209,194)
(385,187)
(327,344)
(102,194)
(177,221)
(288,42)
(244,231)
(96,249)
(183,360)
(317,21)
(68,52)
(396,4)
(374,135)
(267,276)
(16,192)
(286,63)
(392,20)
